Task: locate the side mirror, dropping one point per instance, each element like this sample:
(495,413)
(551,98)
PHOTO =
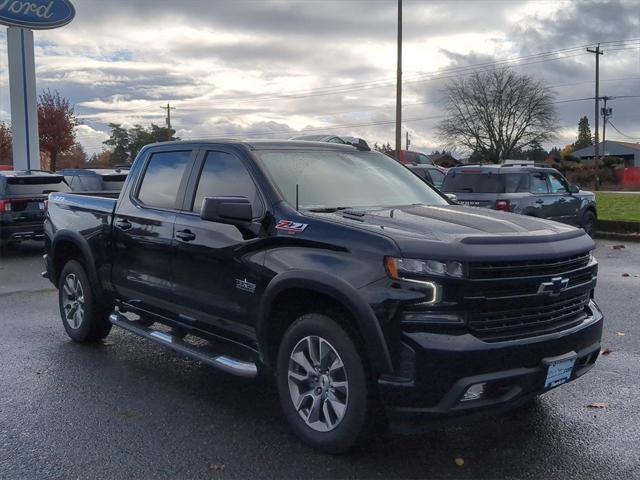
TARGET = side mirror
(574,189)
(230,210)
(452,196)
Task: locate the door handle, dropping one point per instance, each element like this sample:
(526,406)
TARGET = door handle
(539,202)
(123,224)
(186,235)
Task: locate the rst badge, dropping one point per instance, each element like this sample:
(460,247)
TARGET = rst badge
(245,285)
(291,227)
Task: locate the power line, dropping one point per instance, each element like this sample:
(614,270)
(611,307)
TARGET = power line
(623,134)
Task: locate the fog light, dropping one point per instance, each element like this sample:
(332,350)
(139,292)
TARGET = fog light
(474,392)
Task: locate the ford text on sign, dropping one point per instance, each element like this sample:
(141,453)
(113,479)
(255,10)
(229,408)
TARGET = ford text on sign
(36,14)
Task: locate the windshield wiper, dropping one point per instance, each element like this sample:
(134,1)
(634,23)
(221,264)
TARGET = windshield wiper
(328,209)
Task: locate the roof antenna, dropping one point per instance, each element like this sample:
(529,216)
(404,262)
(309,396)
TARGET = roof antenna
(297,198)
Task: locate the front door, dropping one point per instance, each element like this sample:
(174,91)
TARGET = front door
(565,205)
(143,232)
(217,278)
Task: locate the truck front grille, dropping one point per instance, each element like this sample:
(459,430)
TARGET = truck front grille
(504,320)
(529,268)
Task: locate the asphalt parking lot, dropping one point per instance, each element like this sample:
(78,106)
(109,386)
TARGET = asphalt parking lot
(129,409)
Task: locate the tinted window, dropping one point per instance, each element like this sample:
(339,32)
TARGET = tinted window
(557,184)
(472,182)
(516,182)
(36,185)
(437,177)
(424,160)
(539,183)
(224,175)
(162,179)
(331,179)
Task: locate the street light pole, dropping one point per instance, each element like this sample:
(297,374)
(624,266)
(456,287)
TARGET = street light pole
(399,86)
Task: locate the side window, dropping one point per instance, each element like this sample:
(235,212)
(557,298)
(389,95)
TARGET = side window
(539,183)
(424,160)
(224,175)
(557,183)
(162,178)
(438,177)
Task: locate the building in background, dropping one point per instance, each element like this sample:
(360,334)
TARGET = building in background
(629,152)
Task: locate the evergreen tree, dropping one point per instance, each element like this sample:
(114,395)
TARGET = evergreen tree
(584,134)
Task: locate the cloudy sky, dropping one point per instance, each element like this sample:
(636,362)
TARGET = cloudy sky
(271,69)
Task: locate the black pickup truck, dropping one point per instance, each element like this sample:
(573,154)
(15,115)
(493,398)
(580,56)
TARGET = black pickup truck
(339,271)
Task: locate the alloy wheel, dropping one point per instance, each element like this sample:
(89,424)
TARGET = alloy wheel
(73,301)
(318,383)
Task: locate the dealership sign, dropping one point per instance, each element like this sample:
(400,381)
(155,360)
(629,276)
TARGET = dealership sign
(36,14)
(22,17)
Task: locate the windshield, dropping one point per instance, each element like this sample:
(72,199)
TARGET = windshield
(334,179)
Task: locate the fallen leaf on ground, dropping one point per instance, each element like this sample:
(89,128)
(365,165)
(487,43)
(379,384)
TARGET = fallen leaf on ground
(459,461)
(216,467)
(598,405)
(626,275)
(620,334)
(618,247)
(606,351)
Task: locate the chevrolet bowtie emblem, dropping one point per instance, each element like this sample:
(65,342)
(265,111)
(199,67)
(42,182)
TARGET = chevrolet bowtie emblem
(553,288)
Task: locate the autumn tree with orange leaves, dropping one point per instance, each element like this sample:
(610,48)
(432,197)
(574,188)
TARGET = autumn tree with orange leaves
(56,122)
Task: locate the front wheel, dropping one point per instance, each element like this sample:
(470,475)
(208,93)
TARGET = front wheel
(322,384)
(83,319)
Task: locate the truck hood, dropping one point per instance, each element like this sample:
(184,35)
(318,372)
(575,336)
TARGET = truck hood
(465,230)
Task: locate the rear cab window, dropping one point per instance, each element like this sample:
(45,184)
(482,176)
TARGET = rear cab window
(33,184)
(162,178)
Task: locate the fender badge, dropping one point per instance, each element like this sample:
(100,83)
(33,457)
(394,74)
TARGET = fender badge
(245,285)
(291,227)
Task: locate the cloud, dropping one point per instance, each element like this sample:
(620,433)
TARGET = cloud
(280,67)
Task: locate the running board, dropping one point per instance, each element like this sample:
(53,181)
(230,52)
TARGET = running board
(226,364)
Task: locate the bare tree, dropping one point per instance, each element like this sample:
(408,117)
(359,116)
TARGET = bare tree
(495,113)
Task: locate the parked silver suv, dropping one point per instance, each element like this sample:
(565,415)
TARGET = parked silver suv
(533,190)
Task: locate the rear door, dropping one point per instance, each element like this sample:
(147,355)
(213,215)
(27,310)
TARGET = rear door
(143,229)
(216,281)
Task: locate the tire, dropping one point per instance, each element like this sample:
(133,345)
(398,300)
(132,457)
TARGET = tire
(589,223)
(331,406)
(84,320)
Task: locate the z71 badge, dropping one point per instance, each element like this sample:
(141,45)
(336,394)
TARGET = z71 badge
(291,227)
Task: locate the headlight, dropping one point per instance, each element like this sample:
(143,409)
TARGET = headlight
(592,257)
(401,268)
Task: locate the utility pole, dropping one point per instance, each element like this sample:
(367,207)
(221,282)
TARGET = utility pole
(606,113)
(408,141)
(596,153)
(168,108)
(399,86)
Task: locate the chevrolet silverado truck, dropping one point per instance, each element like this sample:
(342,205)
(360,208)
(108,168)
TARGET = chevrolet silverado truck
(366,293)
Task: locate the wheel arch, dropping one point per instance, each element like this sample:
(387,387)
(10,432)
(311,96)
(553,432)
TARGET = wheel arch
(68,245)
(331,291)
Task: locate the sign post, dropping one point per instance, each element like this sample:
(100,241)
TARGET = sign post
(22,17)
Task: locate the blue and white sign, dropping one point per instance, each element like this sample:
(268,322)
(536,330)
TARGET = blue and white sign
(36,14)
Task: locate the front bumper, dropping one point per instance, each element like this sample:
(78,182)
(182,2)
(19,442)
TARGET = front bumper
(445,366)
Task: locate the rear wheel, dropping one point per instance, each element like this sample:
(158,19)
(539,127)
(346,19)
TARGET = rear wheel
(589,223)
(322,384)
(83,319)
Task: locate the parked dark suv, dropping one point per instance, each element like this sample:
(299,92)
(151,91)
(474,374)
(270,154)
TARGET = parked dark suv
(532,190)
(22,203)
